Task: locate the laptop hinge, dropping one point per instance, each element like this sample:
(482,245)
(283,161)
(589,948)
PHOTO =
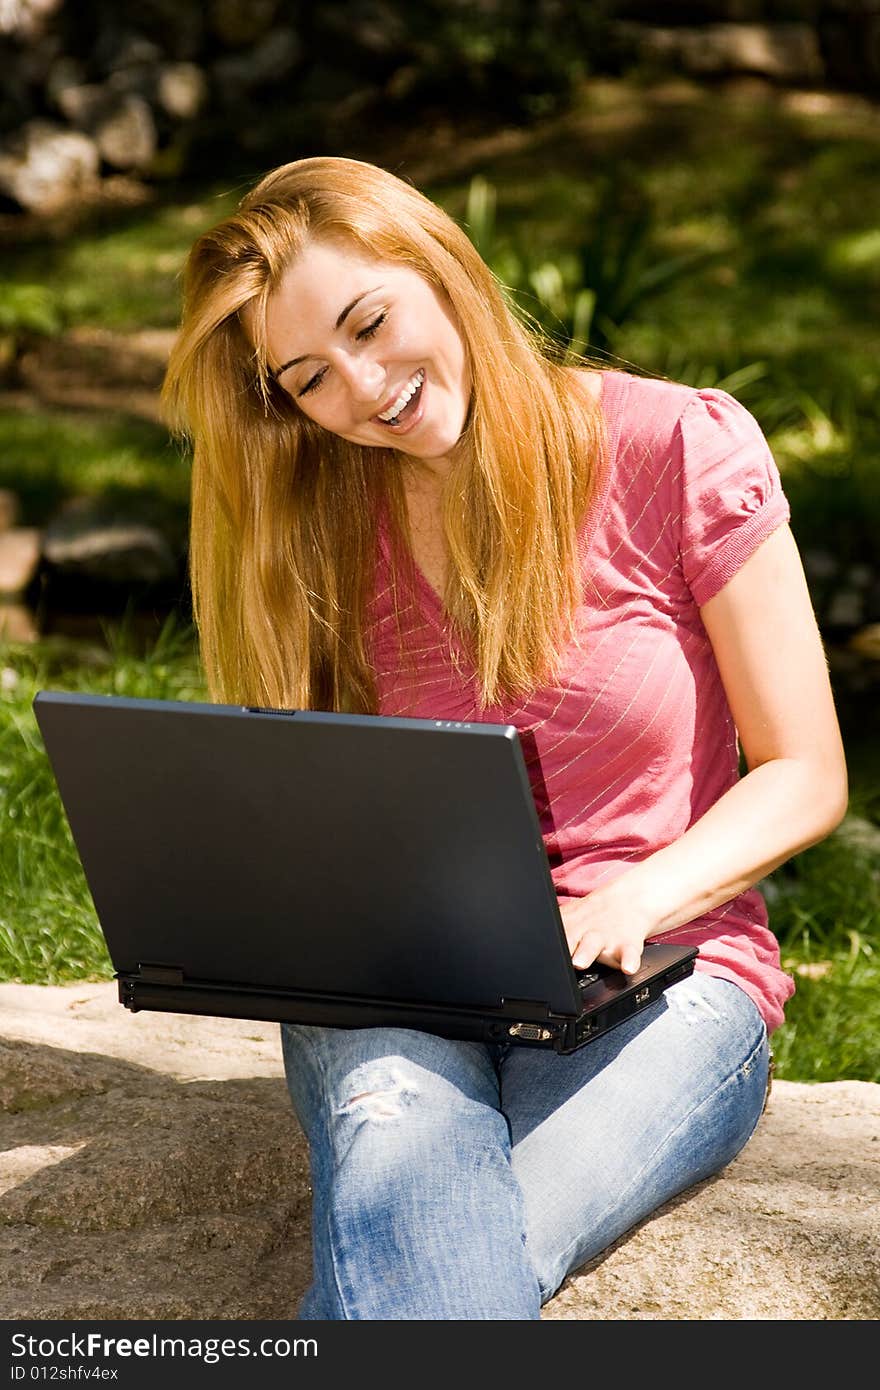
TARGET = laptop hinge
(159,974)
(526,1008)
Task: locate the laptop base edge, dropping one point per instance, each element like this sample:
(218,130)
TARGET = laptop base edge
(557,1033)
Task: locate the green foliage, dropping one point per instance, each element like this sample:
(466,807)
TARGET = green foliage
(120,271)
(829,451)
(582,297)
(29,308)
(825,911)
(27,312)
(832,1024)
(48,928)
(514,59)
(46,457)
(828,897)
(642,285)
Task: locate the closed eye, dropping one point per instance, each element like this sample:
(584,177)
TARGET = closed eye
(314,382)
(373,327)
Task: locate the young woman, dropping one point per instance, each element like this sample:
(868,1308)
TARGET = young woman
(402,504)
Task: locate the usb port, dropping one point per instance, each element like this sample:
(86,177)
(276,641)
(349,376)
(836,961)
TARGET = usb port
(643,995)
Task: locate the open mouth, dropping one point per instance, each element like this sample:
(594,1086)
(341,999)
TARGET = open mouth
(402,410)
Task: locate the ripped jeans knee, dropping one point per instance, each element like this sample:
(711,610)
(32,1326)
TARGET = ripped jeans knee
(340,1080)
(383,1090)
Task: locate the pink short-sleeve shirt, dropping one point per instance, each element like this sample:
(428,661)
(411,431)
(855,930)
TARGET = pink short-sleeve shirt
(634,740)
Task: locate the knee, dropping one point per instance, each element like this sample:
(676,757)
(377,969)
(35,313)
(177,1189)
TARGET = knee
(386,1109)
(393,1102)
(347,1077)
(396,1125)
(380,1091)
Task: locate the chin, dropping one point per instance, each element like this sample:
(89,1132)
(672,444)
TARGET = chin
(446,440)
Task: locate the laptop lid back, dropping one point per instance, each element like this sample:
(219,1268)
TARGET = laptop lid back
(351,854)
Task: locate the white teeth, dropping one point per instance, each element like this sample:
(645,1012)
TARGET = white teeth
(406,394)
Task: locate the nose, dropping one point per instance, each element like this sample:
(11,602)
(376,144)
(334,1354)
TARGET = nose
(364,376)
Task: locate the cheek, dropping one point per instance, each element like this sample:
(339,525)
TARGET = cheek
(464,376)
(326,414)
(302,407)
(456,356)
(315,415)
(396,342)
(314,407)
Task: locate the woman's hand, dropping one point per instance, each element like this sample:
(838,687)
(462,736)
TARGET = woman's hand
(610,926)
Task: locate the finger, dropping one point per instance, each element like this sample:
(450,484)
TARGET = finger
(573,932)
(627,959)
(585,953)
(630,961)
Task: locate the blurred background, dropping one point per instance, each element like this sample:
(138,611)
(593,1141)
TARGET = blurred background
(690,189)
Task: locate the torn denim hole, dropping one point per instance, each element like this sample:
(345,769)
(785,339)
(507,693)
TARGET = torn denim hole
(385,1091)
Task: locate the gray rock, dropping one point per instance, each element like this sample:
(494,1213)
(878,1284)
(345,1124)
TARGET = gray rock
(181,90)
(788,52)
(846,609)
(151,1168)
(126,133)
(79,102)
(866,642)
(819,564)
(10,508)
(45,168)
(134,51)
(64,73)
(19,559)
(268,61)
(26,19)
(859,834)
(85,539)
(17,624)
(120,123)
(860,576)
(240,22)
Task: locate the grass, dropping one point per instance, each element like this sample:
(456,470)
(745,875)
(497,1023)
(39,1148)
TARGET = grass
(825,910)
(140,253)
(49,931)
(47,457)
(774,200)
(832,1025)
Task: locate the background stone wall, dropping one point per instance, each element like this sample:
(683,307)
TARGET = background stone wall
(94,90)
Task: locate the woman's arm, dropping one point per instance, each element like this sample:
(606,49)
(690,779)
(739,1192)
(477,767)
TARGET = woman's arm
(772,663)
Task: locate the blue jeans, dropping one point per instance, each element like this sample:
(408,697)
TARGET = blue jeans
(457,1180)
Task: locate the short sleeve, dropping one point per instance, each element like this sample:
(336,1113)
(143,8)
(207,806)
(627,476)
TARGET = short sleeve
(732,497)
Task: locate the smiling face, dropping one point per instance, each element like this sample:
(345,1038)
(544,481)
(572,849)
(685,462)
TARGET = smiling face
(369,351)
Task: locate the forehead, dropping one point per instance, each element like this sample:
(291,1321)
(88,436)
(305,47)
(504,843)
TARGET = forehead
(325,277)
(321,265)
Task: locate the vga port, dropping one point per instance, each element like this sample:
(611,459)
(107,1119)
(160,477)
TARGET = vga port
(529,1032)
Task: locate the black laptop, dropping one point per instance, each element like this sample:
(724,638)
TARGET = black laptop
(346,870)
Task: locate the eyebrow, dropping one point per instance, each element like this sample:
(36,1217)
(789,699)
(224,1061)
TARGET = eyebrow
(295,361)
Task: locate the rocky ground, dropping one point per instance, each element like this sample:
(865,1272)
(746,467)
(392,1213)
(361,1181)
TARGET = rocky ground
(150,1168)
